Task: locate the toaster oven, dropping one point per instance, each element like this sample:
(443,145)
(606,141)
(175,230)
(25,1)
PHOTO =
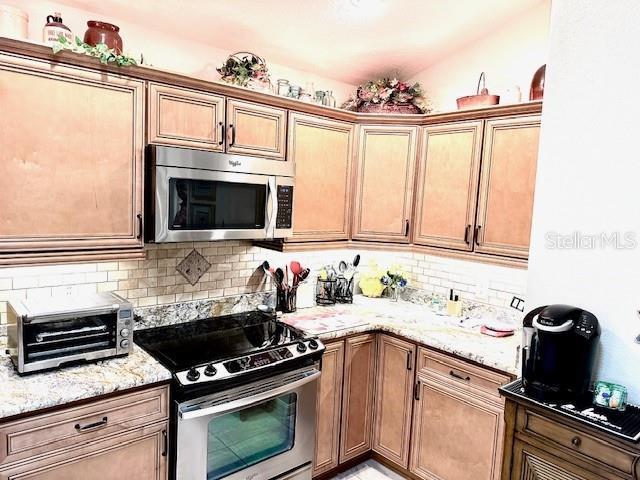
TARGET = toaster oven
(51,333)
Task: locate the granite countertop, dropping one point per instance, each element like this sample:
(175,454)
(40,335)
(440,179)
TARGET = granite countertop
(424,323)
(57,387)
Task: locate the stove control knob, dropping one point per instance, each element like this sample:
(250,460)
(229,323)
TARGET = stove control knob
(210,370)
(313,344)
(193,374)
(124,333)
(124,343)
(301,347)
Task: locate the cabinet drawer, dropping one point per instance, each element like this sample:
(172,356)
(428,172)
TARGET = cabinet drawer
(584,446)
(78,425)
(459,372)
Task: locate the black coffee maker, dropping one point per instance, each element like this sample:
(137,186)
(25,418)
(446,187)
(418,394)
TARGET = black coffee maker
(558,353)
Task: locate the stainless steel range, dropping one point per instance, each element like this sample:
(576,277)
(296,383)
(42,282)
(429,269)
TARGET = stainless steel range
(243,396)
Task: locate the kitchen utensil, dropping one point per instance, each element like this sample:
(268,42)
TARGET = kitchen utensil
(296,268)
(303,275)
(268,270)
(356,260)
(480,99)
(279,274)
(286,276)
(103,32)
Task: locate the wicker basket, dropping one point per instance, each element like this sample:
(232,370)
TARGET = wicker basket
(402,108)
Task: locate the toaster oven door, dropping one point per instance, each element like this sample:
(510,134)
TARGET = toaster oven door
(52,343)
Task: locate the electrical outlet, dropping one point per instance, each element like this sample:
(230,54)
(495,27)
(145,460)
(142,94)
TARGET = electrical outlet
(638,337)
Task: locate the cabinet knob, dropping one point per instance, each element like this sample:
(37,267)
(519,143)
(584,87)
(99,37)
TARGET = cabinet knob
(576,442)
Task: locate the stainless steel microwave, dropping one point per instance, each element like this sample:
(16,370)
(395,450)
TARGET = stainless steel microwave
(194,195)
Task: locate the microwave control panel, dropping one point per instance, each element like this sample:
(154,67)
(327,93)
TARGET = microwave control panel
(285,206)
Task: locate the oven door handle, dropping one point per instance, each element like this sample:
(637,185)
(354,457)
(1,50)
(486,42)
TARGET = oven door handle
(237,404)
(272,207)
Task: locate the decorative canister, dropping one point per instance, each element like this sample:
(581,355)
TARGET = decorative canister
(54,28)
(537,84)
(14,22)
(283,87)
(319,98)
(102,32)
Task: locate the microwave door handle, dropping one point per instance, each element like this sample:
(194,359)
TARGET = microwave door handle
(245,402)
(272,207)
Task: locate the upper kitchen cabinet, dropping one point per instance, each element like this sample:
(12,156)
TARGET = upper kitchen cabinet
(447,185)
(505,200)
(254,129)
(185,118)
(322,151)
(70,162)
(385,175)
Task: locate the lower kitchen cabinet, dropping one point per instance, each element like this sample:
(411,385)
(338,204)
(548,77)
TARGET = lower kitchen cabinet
(138,454)
(124,436)
(531,463)
(357,397)
(455,436)
(329,406)
(541,445)
(394,399)
(437,416)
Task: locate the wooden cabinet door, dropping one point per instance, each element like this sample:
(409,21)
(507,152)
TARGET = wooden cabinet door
(447,185)
(455,436)
(394,399)
(185,118)
(357,396)
(531,463)
(139,454)
(254,129)
(71,159)
(385,174)
(322,151)
(328,409)
(507,186)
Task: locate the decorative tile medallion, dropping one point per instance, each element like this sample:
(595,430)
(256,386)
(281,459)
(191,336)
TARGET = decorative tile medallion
(193,267)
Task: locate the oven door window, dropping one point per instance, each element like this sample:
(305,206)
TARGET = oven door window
(213,205)
(240,439)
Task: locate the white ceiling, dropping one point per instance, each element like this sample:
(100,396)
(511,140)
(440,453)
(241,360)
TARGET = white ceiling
(347,40)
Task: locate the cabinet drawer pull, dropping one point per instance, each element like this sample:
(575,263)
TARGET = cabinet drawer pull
(164,443)
(139,234)
(476,236)
(233,135)
(406,228)
(91,426)
(416,391)
(467,230)
(459,377)
(221,133)
(409,360)
(576,442)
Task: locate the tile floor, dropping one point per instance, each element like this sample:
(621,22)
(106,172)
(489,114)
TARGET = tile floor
(369,470)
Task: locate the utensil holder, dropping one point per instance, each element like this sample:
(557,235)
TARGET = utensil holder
(286,299)
(325,292)
(344,290)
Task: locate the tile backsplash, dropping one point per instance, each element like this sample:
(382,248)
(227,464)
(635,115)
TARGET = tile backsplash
(236,269)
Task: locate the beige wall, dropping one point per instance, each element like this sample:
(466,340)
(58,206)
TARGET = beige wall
(164,51)
(509,56)
(587,181)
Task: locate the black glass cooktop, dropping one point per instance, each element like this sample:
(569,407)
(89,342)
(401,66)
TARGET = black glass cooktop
(179,347)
